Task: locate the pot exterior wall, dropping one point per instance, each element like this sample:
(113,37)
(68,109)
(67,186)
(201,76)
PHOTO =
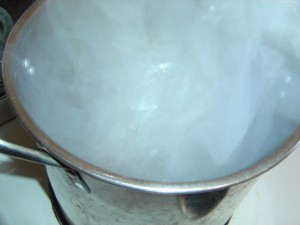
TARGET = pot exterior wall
(107,204)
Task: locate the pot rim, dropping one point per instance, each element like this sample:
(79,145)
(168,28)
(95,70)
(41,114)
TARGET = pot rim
(75,163)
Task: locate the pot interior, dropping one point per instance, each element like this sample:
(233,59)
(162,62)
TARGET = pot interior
(142,91)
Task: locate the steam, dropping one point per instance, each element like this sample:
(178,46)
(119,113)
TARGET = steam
(165,90)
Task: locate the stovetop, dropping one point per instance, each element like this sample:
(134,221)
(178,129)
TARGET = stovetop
(24,198)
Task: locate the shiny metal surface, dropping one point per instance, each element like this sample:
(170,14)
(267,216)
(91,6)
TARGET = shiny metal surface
(109,204)
(77,181)
(28,154)
(115,199)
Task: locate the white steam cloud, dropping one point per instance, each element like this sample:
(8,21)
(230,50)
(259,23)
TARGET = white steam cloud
(177,90)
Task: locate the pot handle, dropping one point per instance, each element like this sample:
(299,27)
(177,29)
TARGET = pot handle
(17,151)
(27,154)
(42,157)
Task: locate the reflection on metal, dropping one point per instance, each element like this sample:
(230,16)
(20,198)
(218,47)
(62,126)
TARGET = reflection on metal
(199,205)
(27,154)
(77,180)
(112,204)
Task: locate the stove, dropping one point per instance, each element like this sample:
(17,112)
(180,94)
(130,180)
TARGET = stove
(26,198)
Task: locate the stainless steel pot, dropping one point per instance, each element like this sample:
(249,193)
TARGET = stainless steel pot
(91,195)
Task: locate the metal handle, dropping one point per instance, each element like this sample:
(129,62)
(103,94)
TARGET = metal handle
(28,154)
(17,151)
(41,157)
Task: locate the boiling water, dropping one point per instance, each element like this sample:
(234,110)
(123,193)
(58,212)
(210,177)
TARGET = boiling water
(164,90)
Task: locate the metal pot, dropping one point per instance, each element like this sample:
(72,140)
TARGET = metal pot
(90,195)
